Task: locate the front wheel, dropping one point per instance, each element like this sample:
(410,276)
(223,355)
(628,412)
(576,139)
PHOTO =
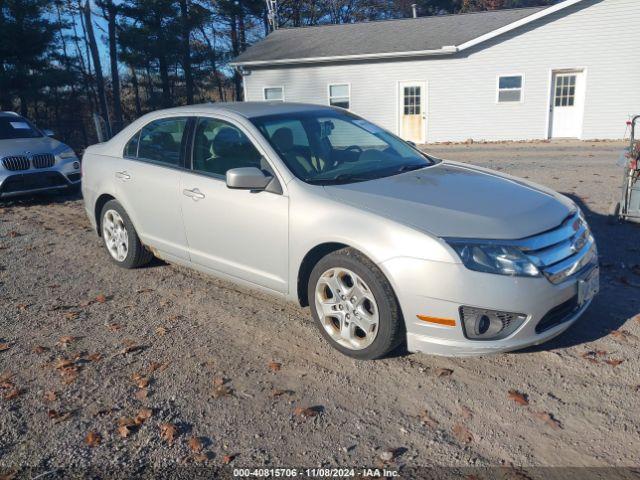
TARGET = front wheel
(120,238)
(354,306)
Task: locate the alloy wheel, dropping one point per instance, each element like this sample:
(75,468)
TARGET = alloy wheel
(347,308)
(115,235)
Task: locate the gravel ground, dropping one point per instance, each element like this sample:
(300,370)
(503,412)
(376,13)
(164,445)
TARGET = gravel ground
(115,369)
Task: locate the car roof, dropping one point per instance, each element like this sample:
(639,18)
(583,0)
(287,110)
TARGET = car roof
(248,109)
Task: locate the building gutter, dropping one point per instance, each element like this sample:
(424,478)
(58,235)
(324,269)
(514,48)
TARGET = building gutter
(447,50)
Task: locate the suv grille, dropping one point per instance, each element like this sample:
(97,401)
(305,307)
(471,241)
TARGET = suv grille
(563,251)
(15,163)
(43,160)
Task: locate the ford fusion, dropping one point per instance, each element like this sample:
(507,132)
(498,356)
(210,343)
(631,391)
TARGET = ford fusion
(384,243)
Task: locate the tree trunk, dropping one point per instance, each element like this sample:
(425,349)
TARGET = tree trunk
(95,55)
(112,12)
(186,49)
(235,47)
(136,91)
(164,80)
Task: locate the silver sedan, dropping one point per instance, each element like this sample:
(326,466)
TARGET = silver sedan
(385,244)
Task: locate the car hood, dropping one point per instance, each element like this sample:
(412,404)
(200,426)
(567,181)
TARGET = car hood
(18,146)
(451,199)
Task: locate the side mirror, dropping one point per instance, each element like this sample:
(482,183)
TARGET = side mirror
(48,132)
(247,178)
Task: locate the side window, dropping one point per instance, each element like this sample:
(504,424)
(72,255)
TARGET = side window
(131,149)
(161,141)
(219,146)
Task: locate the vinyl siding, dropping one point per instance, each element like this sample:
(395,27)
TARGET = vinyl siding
(599,36)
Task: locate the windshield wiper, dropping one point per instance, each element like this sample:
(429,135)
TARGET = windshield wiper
(340,178)
(410,167)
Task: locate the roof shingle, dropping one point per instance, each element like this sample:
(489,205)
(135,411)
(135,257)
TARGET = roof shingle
(380,37)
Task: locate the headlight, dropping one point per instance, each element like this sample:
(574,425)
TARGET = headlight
(67,154)
(499,259)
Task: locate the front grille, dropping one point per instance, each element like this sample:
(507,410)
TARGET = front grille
(16,163)
(43,160)
(563,251)
(32,181)
(558,315)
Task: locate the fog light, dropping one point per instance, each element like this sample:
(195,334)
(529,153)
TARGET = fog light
(76,165)
(481,324)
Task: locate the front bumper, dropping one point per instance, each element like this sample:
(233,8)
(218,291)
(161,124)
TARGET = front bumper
(23,182)
(437,289)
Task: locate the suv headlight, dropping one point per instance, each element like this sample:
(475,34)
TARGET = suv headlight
(67,154)
(494,258)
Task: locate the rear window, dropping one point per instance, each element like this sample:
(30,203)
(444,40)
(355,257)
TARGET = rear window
(17,127)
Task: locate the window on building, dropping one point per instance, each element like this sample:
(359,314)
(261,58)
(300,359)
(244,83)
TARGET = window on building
(510,89)
(340,96)
(274,94)
(565,95)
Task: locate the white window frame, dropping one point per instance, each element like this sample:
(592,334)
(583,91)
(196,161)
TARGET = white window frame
(269,87)
(341,84)
(521,89)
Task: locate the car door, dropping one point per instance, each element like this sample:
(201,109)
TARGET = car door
(149,184)
(240,233)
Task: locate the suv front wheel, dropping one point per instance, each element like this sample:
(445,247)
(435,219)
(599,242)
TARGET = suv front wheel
(120,238)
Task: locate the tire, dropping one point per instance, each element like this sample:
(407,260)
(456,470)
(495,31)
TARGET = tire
(114,219)
(353,275)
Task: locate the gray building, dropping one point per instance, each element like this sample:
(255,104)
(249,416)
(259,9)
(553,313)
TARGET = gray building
(571,70)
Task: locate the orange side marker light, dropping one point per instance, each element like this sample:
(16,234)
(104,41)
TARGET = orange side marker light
(448,322)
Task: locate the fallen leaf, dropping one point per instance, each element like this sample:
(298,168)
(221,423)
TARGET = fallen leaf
(93,439)
(201,458)
(427,419)
(548,419)
(13,393)
(195,444)
(63,363)
(462,433)
(306,412)
(71,315)
(66,340)
(221,391)
(156,366)
(50,396)
(58,416)
(130,347)
(142,394)
(388,454)
(114,327)
(143,415)
(217,381)
(519,397)
(274,366)
(4,347)
(101,298)
(466,412)
(40,349)
(614,362)
(94,357)
(140,381)
(22,307)
(279,393)
(161,331)
(168,432)
(227,459)
(14,234)
(443,372)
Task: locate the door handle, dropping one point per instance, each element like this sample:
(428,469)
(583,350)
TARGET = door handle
(195,194)
(123,175)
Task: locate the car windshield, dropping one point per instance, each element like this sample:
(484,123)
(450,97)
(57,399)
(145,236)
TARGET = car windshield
(330,147)
(17,127)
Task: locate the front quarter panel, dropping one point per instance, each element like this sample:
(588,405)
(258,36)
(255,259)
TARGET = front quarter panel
(316,219)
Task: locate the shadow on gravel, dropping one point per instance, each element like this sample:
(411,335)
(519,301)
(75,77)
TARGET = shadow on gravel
(40,199)
(619,297)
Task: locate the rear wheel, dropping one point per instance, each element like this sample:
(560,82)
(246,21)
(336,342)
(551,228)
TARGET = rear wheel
(354,305)
(120,238)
